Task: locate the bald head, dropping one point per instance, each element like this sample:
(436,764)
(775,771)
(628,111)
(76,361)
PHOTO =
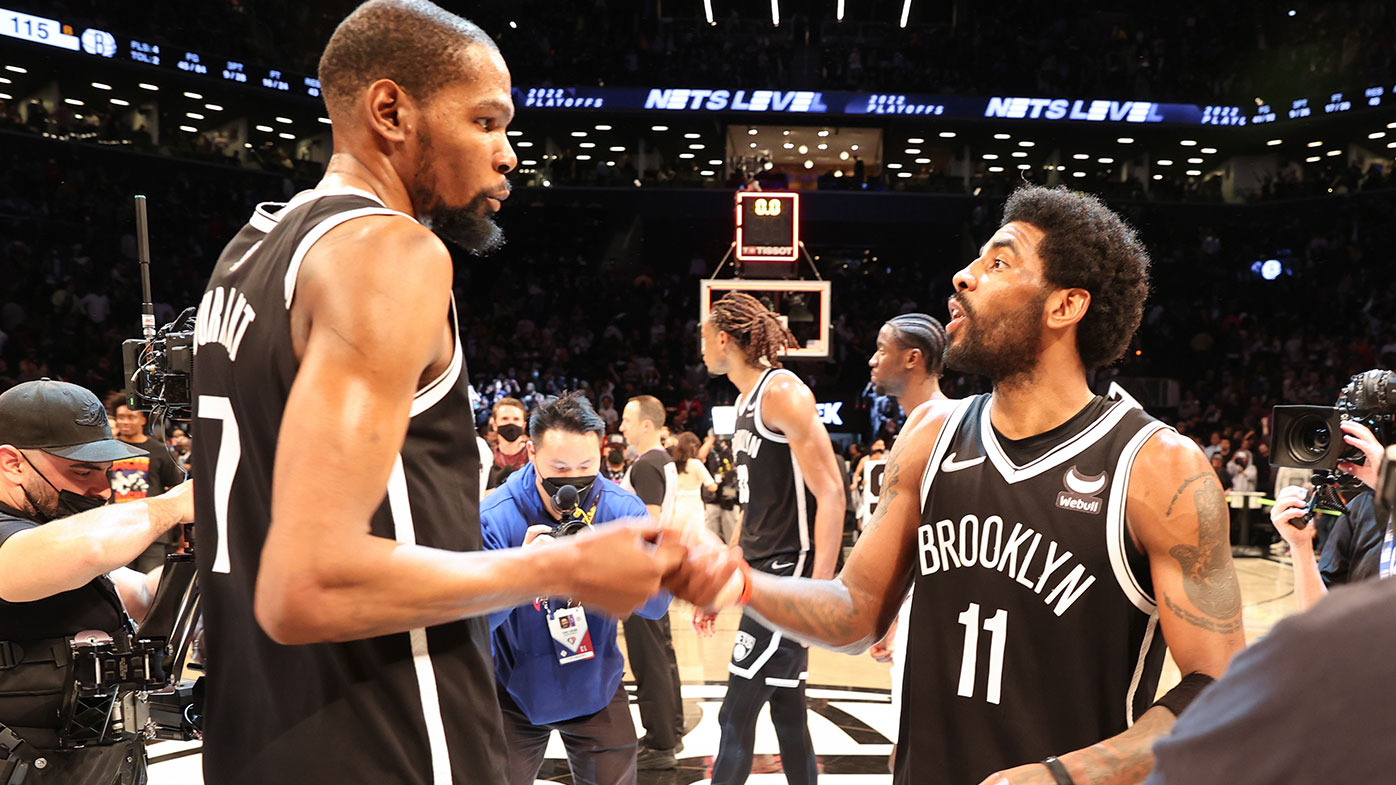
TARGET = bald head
(416,44)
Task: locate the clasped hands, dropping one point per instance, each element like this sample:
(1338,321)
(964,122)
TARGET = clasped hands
(621,564)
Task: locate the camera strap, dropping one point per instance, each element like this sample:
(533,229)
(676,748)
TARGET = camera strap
(1388,545)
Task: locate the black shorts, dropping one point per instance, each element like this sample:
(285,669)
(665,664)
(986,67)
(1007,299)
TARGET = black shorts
(760,653)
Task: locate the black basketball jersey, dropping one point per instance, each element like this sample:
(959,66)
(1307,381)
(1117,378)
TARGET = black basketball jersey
(1033,630)
(778,508)
(415,707)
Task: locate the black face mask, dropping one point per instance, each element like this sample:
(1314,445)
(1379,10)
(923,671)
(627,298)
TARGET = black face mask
(510,432)
(583,485)
(69,503)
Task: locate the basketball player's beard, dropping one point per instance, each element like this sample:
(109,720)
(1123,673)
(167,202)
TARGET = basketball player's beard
(468,225)
(1001,347)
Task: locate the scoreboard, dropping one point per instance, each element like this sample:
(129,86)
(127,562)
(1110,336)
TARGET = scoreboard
(768,226)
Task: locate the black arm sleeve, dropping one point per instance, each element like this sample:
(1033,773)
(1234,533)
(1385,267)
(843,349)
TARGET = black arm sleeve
(648,481)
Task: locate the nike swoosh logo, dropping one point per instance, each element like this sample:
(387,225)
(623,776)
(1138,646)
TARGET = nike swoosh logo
(775,565)
(951,465)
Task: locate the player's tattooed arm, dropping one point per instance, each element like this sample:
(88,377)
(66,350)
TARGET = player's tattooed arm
(851,612)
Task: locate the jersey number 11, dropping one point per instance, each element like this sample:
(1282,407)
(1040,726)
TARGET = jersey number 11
(997,626)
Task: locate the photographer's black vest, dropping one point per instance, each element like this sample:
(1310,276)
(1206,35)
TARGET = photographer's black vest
(416,707)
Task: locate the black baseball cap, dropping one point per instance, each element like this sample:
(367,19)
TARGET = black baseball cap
(60,419)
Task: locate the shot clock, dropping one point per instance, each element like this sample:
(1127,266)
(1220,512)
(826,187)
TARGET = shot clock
(768,226)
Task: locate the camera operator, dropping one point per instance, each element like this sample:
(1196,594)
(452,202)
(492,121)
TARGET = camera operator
(61,555)
(1353,549)
(556,663)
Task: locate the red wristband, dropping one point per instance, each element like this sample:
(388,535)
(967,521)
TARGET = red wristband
(747,587)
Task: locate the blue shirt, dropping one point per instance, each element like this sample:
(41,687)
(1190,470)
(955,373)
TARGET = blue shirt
(525,655)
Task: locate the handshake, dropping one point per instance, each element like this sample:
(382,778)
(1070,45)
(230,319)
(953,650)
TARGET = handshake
(620,565)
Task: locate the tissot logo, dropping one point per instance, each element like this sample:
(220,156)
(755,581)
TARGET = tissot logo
(802,101)
(1063,109)
(1082,493)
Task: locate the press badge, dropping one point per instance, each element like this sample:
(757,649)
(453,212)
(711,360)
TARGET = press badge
(569,630)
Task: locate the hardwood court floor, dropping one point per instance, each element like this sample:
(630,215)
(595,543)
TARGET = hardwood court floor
(851,717)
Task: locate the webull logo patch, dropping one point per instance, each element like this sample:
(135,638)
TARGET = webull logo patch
(1082,493)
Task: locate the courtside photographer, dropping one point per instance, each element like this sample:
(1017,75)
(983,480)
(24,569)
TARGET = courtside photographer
(65,598)
(556,662)
(1304,438)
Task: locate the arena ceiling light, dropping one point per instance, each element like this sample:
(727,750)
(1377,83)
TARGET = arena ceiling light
(265,128)
(838,12)
(1105,160)
(101,86)
(587,145)
(707,173)
(4,80)
(1193,173)
(285,135)
(16,69)
(285,120)
(325,120)
(708,12)
(191,129)
(1024,166)
(823,132)
(947,134)
(513,133)
(148,86)
(923,160)
(1080,156)
(1164,162)
(195,96)
(579,134)
(1335,152)
(120,102)
(1376,135)
(1209,151)
(1274,142)
(523,144)
(584,157)
(803,149)
(193,115)
(996,169)
(751,132)
(1158,177)
(603,127)
(1188,143)
(692,136)
(1313,159)
(684,155)
(991,156)
(1391,125)
(1019,154)
(906,12)
(913,151)
(775,13)
(1194,160)
(809,164)
(217,108)
(1315,144)
(529,162)
(916,140)
(1390,145)
(1026,143)
(902,175)
(715,162)
(72,102)
(6,97)
(699,146)
(894,165)
(1125,140)
(843,156)
(1002,137)
(822,146)
(659,128)
(617,149)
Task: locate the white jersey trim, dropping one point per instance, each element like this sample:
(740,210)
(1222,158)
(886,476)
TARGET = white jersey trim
(404,531)
(264,220)
(944,440)
(802,513)
(749,673)
(319,231)
(1116,528)
(432,393)
(757,396)
(1139,666)
(1012,473)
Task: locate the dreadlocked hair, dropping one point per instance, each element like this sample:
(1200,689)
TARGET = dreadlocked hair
(756,329)
(919,331)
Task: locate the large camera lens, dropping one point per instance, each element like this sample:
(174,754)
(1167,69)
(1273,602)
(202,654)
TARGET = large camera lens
(1313,437)
(569,528)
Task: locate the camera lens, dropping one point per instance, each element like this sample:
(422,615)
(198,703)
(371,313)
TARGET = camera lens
(1316,441)
(1309,439)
